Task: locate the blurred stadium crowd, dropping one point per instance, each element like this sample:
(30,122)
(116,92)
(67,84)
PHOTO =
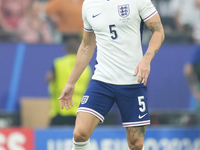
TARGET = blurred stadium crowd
(24,20)
(47,21)
(37,21)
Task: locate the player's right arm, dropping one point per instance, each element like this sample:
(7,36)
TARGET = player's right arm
(84,55)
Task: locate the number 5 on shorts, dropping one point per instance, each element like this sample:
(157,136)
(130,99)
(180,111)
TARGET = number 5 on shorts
(142,107)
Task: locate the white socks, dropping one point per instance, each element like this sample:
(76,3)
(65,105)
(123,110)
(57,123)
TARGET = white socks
(84,145)
(143,148)
(81,145)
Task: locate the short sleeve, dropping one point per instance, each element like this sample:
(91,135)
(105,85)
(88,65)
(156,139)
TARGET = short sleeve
(146,9)
(87,26)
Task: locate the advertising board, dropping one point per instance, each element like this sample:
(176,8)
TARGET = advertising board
(115,139)
(16,139)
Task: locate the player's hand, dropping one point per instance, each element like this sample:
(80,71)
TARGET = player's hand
(142,70)
(66,96)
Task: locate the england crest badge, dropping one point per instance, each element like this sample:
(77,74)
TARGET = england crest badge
(84,99)
(124,10)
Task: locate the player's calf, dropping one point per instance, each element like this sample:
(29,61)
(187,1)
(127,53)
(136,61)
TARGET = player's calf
(136,146)
(135,137)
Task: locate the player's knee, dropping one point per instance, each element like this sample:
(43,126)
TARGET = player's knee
(80,136)
(136,145)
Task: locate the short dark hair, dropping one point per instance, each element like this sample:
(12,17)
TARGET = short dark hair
(72,44)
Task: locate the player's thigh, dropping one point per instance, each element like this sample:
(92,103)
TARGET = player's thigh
(84,126)
(95,104)
(98,99)
(135,135)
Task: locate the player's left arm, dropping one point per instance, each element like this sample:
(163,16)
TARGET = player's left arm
(155,26)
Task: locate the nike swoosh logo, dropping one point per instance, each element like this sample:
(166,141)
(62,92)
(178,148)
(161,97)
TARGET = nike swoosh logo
(140,117)
(95,15)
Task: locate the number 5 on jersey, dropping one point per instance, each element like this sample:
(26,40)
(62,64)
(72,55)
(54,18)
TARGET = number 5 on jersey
(113,31)
(142,105)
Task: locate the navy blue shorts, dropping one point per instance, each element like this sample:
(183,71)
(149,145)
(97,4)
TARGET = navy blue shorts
(130,99)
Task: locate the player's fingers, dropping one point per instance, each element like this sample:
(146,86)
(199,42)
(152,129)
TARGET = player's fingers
(62,95)
(146,77)
(61,103)
(71,100)
(66,105)
(142,75)
(68,97)
(136,71)
(145,81)
(140,78)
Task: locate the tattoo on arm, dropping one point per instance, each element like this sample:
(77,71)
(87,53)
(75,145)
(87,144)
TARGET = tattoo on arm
(84,51)
(155,26)
(148,53)
(155,52)
(140,131)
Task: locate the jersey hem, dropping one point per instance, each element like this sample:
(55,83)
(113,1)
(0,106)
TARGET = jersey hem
(128,83)
(132,124)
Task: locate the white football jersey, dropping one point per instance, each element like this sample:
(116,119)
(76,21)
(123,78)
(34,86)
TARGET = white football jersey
(117,26)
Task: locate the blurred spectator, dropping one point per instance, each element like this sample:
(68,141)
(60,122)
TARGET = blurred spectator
(66,14)
(192,73)
(186,16)
(11,11)
(196,31)
(33,28)
(57,78)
